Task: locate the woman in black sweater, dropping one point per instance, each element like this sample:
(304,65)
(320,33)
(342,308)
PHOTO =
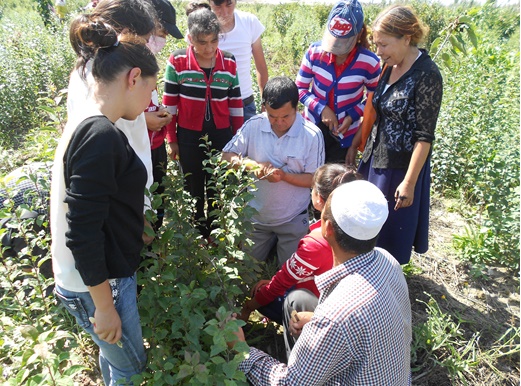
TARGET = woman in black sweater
(104,184)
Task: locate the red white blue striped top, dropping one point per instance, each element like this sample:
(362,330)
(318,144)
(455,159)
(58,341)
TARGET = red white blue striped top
(317,77)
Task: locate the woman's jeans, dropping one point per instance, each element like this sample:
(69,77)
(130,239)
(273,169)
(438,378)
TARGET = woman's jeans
(116,363)
(250,110)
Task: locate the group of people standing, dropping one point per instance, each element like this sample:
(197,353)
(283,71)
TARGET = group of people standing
(343,303)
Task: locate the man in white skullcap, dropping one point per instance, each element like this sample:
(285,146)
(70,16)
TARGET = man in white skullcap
(360,333)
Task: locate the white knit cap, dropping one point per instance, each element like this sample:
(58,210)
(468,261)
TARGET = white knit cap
(360,209)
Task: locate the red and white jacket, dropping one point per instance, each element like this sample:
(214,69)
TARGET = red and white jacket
(313,257)
(187,90)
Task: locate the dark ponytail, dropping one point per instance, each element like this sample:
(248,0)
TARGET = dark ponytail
(111,53)
(195,5)
(136,16)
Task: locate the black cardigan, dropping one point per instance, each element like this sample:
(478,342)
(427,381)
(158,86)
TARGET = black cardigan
(104,181)
(406,113)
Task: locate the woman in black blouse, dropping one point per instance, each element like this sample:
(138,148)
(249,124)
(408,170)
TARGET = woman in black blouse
(397,154)
(104,180)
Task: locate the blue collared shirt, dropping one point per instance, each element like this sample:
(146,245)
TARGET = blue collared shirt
(299,150)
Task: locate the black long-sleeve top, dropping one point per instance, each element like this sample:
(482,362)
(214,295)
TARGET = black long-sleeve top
(104,181)
(406,112)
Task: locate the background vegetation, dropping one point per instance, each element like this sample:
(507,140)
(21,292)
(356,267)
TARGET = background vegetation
(190,287)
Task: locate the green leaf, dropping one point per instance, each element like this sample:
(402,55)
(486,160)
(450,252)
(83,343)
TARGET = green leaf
(211,330)
(472,36)
(434,46)
(217,360)
(229,369)
(74,369)
(455,44)
(168,366)
(446,59)
(218,347)
(184,371)
(464,20)
(462,43)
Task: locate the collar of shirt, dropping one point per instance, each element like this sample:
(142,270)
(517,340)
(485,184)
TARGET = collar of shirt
(194,65)
(329,278)
(293,131)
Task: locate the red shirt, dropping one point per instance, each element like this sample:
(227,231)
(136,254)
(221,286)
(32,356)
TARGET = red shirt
(157,138)
(313,257)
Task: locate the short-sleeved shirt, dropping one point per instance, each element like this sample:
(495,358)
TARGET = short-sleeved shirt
(248,29)
(300,150)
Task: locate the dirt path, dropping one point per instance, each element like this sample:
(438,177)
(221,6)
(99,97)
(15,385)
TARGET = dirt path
(488,305)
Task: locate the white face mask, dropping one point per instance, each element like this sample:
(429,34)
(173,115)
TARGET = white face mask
(156,44)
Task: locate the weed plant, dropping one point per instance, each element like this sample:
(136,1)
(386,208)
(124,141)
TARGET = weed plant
(442,341)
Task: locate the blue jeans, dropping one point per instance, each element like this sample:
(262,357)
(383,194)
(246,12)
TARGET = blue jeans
(250,110)
(116,363)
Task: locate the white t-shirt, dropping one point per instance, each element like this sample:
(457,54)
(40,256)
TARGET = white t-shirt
(238,41)
(79,108)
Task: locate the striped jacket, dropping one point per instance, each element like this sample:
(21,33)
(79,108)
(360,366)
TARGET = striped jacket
(187,89)
(318,70)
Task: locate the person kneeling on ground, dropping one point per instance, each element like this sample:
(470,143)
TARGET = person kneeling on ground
(293,287)
(360,332)
(283,150)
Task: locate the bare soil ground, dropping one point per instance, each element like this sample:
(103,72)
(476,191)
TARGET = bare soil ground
(488,305)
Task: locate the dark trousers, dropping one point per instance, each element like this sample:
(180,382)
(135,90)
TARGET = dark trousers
(334,153)
(280,309)
(298,300)
(159,164)
(191,156)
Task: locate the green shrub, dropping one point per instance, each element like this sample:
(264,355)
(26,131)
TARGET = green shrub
(35,63)
(36,345)
(191,286)
(476,153)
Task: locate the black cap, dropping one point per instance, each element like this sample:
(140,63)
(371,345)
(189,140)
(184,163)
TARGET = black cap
(166,13)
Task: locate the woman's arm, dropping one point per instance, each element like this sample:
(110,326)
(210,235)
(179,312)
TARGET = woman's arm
(108,322)
(428,94)
(304,79)
(404,195)
(235,105)
(170,101)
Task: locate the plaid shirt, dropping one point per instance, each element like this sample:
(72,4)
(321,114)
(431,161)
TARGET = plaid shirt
(360,333)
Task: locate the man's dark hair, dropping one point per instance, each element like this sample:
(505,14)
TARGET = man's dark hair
(219,2)
(344,241)
(279,91)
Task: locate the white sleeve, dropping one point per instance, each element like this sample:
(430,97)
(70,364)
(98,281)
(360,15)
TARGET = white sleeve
(256,28)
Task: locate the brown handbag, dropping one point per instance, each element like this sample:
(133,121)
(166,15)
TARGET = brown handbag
(369,117)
